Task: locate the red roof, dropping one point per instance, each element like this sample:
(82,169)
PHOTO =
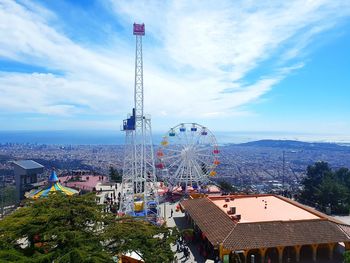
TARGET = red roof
(220,228)
(212,221)
(283,233)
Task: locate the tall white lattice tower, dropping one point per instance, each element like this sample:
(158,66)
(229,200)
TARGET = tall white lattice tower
(139,195)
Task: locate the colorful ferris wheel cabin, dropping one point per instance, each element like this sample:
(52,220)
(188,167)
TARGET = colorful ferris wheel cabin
(212,173)
(160,166)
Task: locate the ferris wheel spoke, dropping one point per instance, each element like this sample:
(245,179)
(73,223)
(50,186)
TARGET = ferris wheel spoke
(191,136)
(174,163)
(205,155)
(171,156)
(196,167)
(185,137)
(180,138)
(202,161)
(173,150)
(178,169)
(205,159)
(182,173)
(202,149)
(197,137)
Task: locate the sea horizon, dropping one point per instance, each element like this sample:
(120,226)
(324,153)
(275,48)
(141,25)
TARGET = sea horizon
(110,137)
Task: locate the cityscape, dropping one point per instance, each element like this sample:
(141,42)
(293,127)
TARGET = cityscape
(255,164)
(174,131)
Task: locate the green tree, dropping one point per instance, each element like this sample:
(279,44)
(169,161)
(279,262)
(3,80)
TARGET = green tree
(226,187)
(75,229)
(60,228)
(343,176)
(9,195)
(333,194)
(150,242)
(324,188)
(312,181)
(347,256)
(115,175)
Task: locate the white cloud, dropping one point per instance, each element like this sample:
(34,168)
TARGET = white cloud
(200,49)
(219,43)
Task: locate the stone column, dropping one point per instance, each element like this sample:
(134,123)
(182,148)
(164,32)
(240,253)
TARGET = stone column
(262,254)
(297,252)
(314,252)
(280,254)
(245,253)
(331,250)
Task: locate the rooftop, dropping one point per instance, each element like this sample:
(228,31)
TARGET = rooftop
(28,164)
(283,233)
(87,182)
(263,208)
(208,217)
(283,223)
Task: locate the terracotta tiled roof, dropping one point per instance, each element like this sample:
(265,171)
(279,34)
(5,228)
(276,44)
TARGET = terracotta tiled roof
(345,228)
(212,221)
(220,228)
(283,233)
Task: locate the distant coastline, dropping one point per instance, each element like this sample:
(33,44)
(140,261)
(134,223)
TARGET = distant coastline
(117,137)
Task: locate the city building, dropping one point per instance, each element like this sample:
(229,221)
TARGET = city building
(26,176)
(264,228)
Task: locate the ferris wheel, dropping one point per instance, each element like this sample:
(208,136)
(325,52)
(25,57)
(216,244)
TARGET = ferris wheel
(188,155)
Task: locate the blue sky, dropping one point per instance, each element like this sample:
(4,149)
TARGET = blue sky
(272,66)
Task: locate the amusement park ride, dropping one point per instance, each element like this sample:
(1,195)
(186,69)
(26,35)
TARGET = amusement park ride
(186,158)
(139,190)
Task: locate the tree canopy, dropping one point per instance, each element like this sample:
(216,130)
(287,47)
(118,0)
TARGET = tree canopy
(326,189)
(347,256)
(75,229)
(8,195)
(115,175)
(226,187)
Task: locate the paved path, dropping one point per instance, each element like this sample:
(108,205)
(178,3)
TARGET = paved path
(179,221)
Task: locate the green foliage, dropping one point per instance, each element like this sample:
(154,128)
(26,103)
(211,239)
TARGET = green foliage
(55,227)
(9,195)
(313,179)
(226,187)
(115,175)
(347,256)
(326,189)
(151,242)
(75,229)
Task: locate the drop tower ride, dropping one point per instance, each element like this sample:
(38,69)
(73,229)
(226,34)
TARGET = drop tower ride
(139,195)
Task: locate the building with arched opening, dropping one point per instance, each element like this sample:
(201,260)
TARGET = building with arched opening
(265,228)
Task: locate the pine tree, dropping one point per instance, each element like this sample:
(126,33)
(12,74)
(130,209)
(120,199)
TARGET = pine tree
(76,229)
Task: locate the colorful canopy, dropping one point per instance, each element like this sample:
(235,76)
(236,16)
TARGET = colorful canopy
(53,186)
